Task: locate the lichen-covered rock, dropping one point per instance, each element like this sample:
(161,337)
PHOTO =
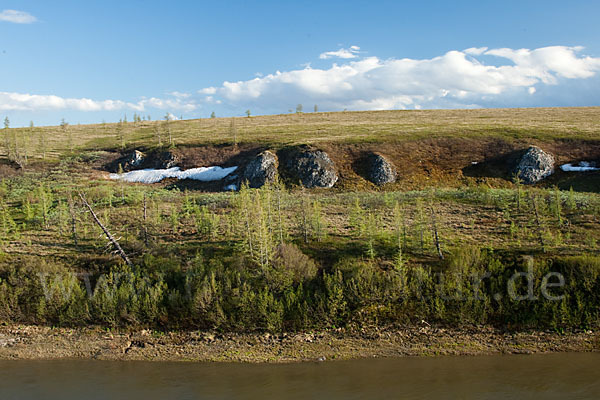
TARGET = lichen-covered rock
(313,168)
(380,170)
(261,170)
(165,160)
(128,162)
(534,165)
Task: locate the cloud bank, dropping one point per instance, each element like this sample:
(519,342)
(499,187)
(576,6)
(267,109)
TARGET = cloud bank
(470,78)
(34,102)
(17,17)
(457,79)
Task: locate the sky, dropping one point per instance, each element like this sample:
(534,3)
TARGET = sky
(94,61)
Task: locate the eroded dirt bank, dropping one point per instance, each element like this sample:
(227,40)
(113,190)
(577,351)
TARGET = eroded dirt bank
(33,342)
(421,162)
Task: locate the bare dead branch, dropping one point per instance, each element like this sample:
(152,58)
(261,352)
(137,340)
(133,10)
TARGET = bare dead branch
(110,237)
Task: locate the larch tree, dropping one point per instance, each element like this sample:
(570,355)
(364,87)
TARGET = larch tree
(65,128)
(168,127)
(6,139)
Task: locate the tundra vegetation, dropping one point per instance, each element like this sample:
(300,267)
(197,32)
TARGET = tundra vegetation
(284,258)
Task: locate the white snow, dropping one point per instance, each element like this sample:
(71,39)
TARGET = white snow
(204,174)
(232,187)
(582,166)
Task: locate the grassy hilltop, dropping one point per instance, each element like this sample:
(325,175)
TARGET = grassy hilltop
(283,258)
(338,127)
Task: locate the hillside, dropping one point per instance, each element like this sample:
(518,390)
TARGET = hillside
(286,258)
(434,147)
(338,127)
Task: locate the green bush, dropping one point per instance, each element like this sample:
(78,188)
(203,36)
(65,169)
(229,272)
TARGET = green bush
(290,267)
(240,296)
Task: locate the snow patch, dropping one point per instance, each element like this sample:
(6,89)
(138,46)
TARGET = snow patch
(204,174)
(582,166)
(231,188)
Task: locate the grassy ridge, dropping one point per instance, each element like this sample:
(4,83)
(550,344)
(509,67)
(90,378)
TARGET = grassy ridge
(341,127)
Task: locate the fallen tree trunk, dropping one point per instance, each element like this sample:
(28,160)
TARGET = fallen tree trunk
(110,237)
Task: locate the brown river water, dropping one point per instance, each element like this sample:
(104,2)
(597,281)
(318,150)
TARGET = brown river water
(551,376)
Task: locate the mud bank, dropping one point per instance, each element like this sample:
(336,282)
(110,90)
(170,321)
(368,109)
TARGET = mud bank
(33,342)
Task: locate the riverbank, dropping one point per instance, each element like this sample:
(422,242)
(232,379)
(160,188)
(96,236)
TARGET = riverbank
(35,342)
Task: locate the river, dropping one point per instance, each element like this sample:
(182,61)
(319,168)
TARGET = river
(550,376)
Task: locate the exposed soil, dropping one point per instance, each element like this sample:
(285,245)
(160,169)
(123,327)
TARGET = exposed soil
(420,163)
(9,169)
(451,161)
(33,342)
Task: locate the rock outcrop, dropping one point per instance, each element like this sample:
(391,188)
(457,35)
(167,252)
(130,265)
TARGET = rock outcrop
(380,170)
(138,160)
(128,162)
(164,160)
(261,170)
(313,168)
(534,165)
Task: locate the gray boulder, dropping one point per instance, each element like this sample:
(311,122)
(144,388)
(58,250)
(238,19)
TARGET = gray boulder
(261,170)
(534,165)
(313,168)
(380,170)
(129,161)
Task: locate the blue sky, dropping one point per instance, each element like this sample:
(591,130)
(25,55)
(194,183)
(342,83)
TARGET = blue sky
(91,61)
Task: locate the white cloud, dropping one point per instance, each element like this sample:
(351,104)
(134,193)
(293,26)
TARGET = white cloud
(208,90)
(31,102)
(179,95)
(35,102)
(475,51)
(341,53)
(172,117)
(455,79)
(548,62)
(164,104)
(17,17)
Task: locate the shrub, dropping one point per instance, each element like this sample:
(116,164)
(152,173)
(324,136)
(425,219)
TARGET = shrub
(290,266)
